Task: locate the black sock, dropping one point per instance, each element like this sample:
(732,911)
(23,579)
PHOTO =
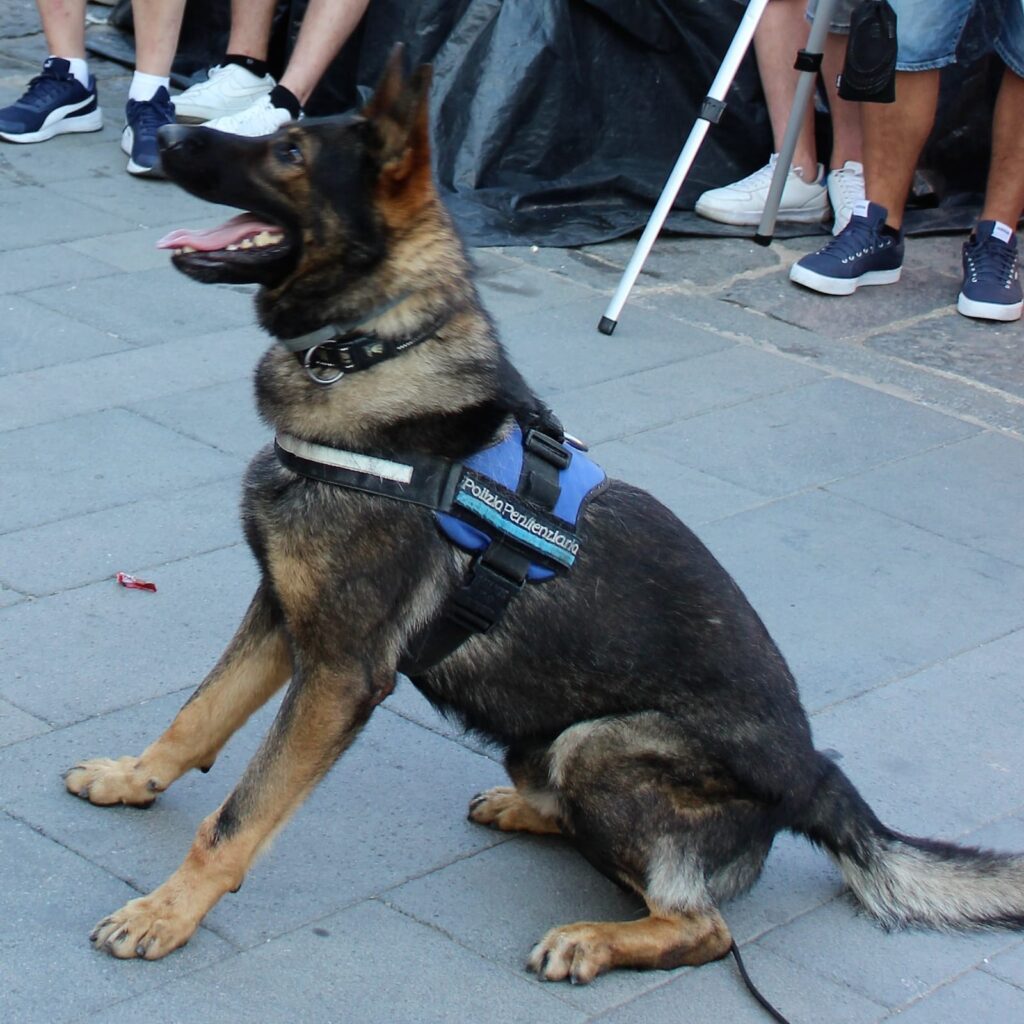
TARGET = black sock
(286,100)
(251,64)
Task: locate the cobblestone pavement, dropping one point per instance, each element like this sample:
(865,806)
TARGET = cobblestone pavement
(858,464)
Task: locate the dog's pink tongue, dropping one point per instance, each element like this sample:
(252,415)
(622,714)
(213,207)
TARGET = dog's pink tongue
(232,231)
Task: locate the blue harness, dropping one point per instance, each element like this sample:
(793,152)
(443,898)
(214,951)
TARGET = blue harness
(490,477)
(515,506)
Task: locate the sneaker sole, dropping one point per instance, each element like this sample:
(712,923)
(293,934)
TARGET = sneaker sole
(139,170)
(840,285)
(752,220)
(1005,311)
(91,122)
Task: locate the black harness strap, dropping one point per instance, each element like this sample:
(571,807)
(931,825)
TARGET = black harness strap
(498,573)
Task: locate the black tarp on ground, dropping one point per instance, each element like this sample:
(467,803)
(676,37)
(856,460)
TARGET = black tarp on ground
(556,122)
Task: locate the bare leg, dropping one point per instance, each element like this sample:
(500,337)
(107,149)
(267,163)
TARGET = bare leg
(254,666)
(780,33)
(847,139)
(157,27)
(251,22)
(1004,195)
(325,27)
(64,26)
(320,716)
(894,135)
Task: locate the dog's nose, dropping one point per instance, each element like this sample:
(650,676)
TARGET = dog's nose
(170,136)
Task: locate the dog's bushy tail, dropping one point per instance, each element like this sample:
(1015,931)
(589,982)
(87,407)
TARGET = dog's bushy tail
(903,880)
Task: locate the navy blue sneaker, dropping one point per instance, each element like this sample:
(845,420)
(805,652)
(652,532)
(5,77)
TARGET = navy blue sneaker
(54,103)
(991,288)
(143,118)
(864,252)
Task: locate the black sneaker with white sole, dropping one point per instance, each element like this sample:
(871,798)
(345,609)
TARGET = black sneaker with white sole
(991,288)
(54,103)
(866,251)
(143,119)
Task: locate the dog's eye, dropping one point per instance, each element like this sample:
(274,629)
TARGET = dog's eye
(289,153)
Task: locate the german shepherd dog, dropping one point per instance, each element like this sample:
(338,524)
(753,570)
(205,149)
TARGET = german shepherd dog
(644,711)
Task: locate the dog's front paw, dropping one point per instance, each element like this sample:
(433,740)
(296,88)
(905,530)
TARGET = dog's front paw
(579,952)
(148,928)
(104,781)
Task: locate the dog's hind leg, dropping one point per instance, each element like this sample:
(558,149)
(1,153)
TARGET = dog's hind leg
(321,713)
(651,811)
(255,665)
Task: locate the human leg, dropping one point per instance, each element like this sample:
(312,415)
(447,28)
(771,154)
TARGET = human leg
(846,164)
(780,33)
(63,98)
(991,287)
(242,77)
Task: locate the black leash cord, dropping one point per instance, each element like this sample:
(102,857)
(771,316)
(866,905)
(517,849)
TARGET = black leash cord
(734,949)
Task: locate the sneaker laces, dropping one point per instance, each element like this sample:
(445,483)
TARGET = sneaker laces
(848,185)
(261,117)
(44,88)
(992,259)
(859,236)
(149,115)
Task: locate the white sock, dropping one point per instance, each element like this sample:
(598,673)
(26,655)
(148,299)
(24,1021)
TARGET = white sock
(144,87)
(79,68)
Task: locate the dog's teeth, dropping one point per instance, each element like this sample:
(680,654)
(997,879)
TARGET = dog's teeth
(246,243)
(186,248)
(232,248)
(267,238)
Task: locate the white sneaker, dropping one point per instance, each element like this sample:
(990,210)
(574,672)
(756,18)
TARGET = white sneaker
(259,118)
(229,89)
(845,189)
(743,201)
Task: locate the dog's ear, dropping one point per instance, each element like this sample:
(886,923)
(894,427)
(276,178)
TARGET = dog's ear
(399,108)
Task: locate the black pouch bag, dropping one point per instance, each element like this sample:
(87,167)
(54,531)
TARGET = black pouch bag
(869,71)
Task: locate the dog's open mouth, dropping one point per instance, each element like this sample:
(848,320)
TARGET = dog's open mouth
(241,249)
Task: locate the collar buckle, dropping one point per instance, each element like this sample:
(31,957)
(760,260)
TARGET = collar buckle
(311,369)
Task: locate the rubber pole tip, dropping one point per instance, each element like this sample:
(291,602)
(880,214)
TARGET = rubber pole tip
(607,325)
(760,239)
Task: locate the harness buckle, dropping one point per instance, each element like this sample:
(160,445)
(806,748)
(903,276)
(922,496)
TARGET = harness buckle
(307,362)
(547,448)
(479,604)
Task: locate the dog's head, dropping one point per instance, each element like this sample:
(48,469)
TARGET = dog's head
(317,195)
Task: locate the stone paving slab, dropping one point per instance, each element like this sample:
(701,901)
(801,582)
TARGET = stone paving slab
(127,377)
(803,437)
(367,964)
(948,491)
(956,768)
(696,497)
(222,416)
(173,307)
(38,216)
(144,533)
(366,828)
(649,399)
(715,993)
(35,337)
(88,651)
(140,459)
(919,598)
(16,725)
(557,351)
(49,970)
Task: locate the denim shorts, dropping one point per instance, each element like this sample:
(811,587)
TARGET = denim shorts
(841,11)
(929,31)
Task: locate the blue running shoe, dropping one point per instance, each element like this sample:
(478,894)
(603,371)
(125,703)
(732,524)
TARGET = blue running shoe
(54,103)
(143,118)
(864,252)
(991,288)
